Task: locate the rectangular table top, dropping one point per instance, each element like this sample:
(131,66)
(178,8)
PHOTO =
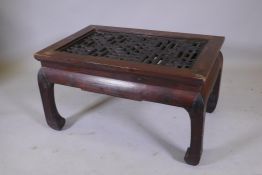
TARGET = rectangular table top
(145,52)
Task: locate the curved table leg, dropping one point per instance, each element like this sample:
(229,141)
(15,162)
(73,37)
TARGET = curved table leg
(213,98)
(53,118)
(197,119)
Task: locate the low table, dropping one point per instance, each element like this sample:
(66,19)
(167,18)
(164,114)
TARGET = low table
(171,68)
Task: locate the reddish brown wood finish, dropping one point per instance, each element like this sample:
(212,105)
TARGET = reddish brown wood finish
(194,89)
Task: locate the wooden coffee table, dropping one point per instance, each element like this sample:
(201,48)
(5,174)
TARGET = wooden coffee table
(177,69)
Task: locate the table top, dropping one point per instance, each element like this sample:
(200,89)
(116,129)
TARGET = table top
(165,51)
(146,52)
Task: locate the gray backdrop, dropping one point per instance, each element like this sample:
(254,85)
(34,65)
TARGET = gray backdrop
(29,25)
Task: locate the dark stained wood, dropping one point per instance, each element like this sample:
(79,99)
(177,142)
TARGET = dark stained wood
(196,74)
(173,52)
(193,85)
(197,119)
(213,98)
(119,88)
(53,118)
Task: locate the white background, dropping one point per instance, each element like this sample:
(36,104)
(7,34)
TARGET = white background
(116,136)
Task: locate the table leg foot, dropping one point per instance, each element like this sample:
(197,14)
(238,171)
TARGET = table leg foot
(197,119)
(192,158)
(53,118)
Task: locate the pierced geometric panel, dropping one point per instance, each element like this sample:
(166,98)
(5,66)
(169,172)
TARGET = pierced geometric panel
(147,49)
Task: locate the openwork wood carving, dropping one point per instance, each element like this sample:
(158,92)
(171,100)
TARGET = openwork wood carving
(165,67)
(175,52)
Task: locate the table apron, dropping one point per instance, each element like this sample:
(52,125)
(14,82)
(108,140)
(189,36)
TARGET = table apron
(121,88)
